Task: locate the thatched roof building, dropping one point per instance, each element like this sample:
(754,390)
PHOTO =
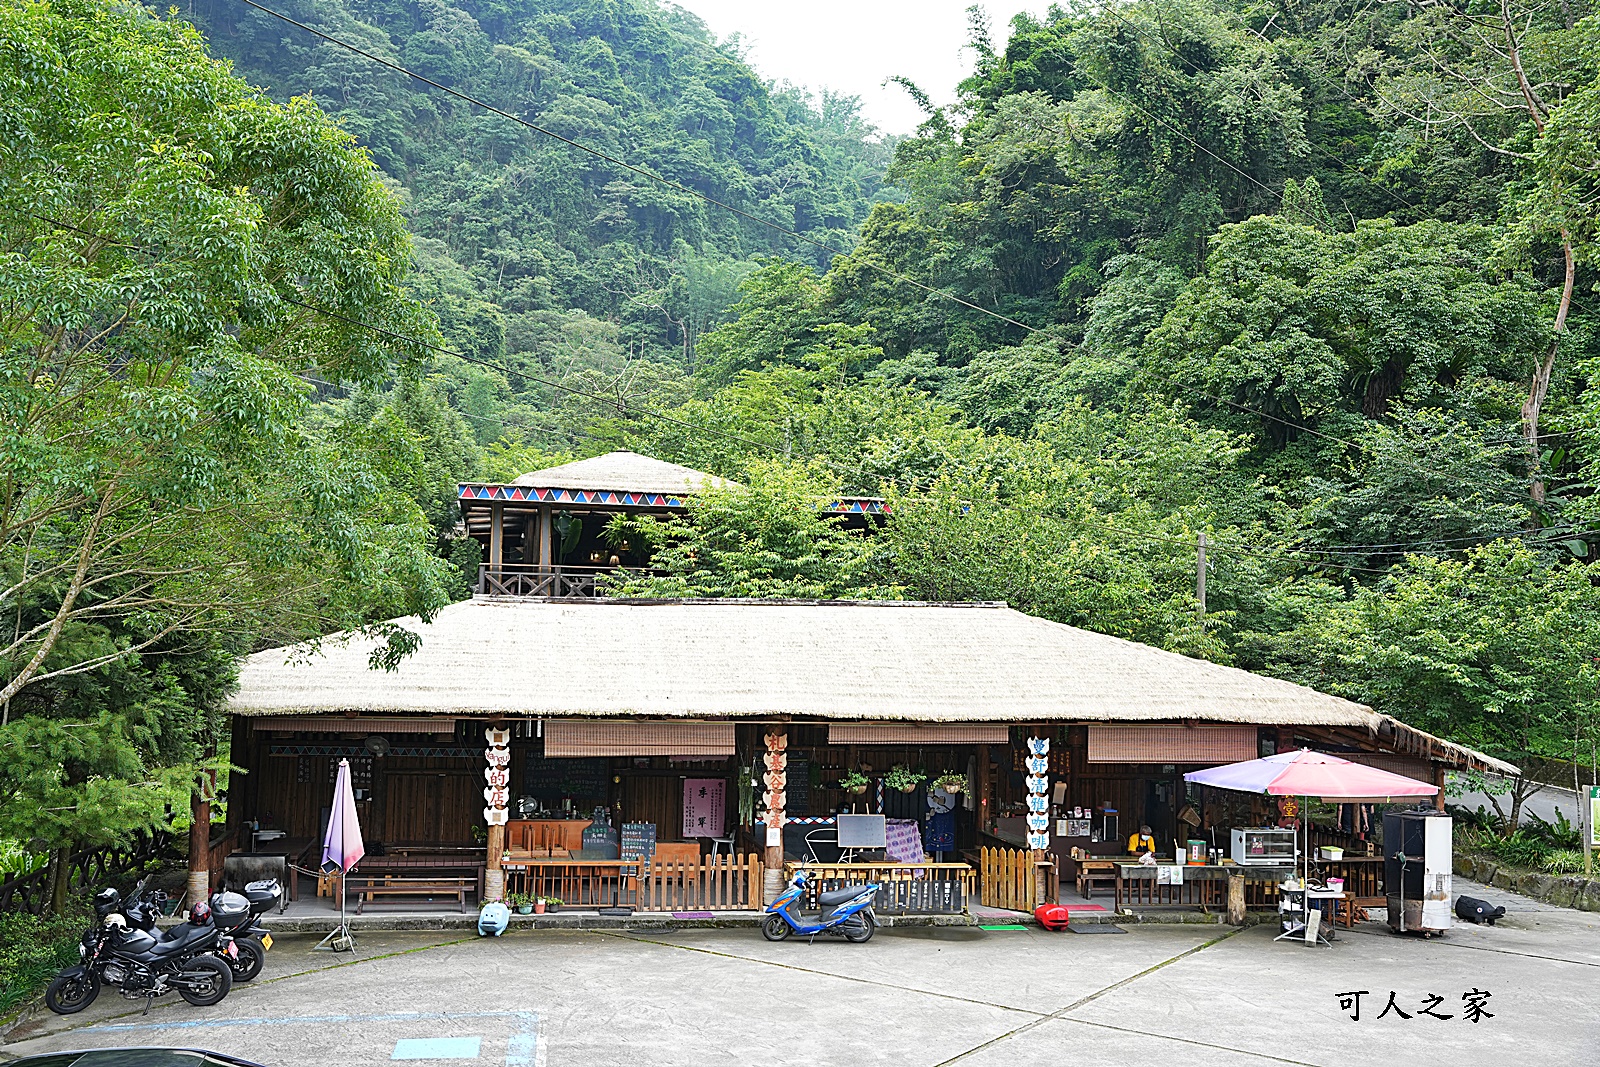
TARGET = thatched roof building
(746,660)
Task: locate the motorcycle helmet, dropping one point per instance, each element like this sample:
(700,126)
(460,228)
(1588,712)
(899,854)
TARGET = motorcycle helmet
(107,901)
(200,914)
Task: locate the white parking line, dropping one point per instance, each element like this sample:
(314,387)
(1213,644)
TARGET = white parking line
(525,1047)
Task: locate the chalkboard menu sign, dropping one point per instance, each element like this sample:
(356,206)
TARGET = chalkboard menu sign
(797,793)
(552,779)
(638,840)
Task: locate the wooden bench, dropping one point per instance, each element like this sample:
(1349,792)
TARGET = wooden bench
(1090,872)
(372,888)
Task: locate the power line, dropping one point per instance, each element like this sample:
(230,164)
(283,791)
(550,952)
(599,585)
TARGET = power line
(571,436)
(621,407)
(1243,550)
(774,226)
(632,168)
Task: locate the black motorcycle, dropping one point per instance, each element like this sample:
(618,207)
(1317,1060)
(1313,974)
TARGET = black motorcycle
(244,942)
(140,963)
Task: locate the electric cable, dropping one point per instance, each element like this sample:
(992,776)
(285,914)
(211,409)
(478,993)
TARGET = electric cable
(620,405)
(634,169)
(774,226)
(1282,555)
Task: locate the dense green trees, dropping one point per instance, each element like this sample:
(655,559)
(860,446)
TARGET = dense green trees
(1168,267)
(165,233)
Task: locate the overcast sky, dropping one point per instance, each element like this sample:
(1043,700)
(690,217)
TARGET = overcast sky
(851,46)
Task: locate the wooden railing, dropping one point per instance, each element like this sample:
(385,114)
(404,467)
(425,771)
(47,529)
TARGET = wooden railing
(1202,887)
(903,888)
(576,883)
(89,868)
(1010,879)
(715,883)
(528,579)
(1363,876)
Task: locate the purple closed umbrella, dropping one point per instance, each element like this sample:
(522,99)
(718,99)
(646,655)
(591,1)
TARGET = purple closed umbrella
(341,846)
(341,850)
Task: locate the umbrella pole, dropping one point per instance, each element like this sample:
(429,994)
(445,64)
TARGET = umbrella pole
(339,939)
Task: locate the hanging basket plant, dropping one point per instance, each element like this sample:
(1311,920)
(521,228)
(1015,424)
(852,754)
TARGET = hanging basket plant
(950,782)
(903,778)
(854,782)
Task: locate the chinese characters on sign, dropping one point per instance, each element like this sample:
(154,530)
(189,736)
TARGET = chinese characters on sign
(703,811)
(1473,1006)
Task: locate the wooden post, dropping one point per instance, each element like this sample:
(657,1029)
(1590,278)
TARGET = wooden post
(200,840)
(1235,898)
(1438,780)
(497,535)
(776,780)
(494,877)
(498,774)
(981,810)
(546,549)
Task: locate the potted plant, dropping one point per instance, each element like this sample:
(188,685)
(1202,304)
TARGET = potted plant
(553,904)
(950,782)
(521,903)
(903,778)
(538,906)
(853,782)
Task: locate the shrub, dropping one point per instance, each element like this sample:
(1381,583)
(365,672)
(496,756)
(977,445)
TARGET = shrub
(1565,861)
(32,949)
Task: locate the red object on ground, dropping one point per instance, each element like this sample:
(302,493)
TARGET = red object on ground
(1051,916)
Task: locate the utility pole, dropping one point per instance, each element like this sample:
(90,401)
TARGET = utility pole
(1200,580)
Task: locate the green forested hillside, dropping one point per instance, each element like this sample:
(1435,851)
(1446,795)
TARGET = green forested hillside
(1314,280)
(538,255)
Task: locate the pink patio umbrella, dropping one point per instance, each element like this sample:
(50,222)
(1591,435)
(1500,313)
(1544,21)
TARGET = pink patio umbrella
(342,849)
(1313,774)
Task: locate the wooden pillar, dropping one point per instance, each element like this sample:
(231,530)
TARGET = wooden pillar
(546,539)
(498,774)
(240,805)
(1438,780)
(1235,898)
(776,780)
(981,811)
(497,536)
(204,789)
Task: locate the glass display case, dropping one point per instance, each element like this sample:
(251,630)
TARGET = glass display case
(1263,846)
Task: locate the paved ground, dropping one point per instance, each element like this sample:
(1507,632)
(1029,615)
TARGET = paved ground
(1191,995)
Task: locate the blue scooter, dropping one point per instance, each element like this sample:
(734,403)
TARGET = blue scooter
(846,912)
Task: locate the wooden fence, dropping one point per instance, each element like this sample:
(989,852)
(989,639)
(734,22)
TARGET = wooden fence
(714,883)
(903,888)
(90,868)
(576,883)
(1202,887)
(1010,879)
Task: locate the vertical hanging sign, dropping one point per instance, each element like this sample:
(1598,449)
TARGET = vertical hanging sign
(776,779)
(1038,781)
(497,793)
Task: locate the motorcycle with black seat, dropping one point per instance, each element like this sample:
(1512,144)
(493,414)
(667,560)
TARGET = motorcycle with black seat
(244,942)
(141,963)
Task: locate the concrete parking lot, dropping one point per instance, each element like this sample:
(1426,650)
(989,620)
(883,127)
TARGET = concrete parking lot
(1182,994)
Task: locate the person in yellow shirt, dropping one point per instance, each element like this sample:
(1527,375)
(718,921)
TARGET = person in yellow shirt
(1141,842)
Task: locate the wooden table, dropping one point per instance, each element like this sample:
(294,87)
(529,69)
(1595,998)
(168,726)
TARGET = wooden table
(1092,870)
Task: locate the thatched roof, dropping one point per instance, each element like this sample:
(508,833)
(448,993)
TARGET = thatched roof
(623,472)
(809,661)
